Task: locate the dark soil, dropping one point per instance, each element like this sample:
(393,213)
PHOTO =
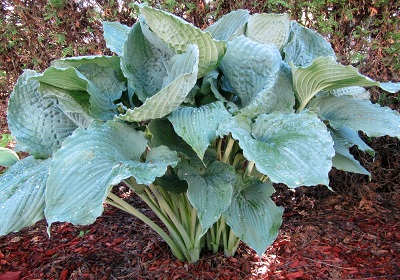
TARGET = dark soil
(332,237)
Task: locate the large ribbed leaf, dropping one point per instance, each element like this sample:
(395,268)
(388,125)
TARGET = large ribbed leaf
(144,64)
(115,35)
(198,126)
(357,114)
(252,215)
(101,86)
(37,121)
(278,97)
(228,24)
(294,149)
(269,28)
(178,34)
(90,162)
(354,91)
(182,69)
(22,189)
(305,45)
(343,159)
(248,77)
(325,74)
(210,191)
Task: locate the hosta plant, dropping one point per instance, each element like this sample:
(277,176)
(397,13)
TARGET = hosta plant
(198,123)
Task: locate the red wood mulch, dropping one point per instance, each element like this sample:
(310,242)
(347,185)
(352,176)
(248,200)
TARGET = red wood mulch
(335,237)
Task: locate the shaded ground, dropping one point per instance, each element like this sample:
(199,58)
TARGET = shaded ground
(332,237)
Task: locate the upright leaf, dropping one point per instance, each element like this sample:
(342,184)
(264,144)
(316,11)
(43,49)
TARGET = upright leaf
(228,24)
(252,215)
(254,74)
(345,111)
(22,189)
(182,77)
(115,35)
(90,162)
(178,34)
(42,134)
(269,29)
(210,191)
(198,126)
(144,64)
(305,45)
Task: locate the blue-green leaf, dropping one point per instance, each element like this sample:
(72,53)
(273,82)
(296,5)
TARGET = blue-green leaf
(198,126)
(278,97)
(345,111)
(258,72)
(101,86)
(305,45)
(182,69)
(22,189)
(163,134)
(91,161)
(42,134)
(269,28)
(144,63)
(343,159)
(228,24)
(252,215)
(210,191)
(115,35)
(179,34)
(294,149)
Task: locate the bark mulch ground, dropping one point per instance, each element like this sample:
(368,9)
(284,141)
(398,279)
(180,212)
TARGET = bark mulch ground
(331,237)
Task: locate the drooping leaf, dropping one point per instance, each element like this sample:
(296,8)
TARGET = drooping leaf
(252,215)
(178,34)
(198,126)
(22,189)
(228,24)
(254,74)
(305,45)
(343,159)
(163,134)
(210,191)
(345,111)
(7,157)
(37,122)
(100,85)
(354,91)
(90,162)
(144,64)
(115,34)
(182,69)
(325,74)
(269,28)
(294,149)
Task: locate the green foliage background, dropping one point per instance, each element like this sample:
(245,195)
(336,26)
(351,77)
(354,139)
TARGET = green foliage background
(364,33)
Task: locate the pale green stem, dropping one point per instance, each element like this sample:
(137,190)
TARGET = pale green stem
(123,205)
(249,168)
(228,150)
(173,230)
(171,215)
